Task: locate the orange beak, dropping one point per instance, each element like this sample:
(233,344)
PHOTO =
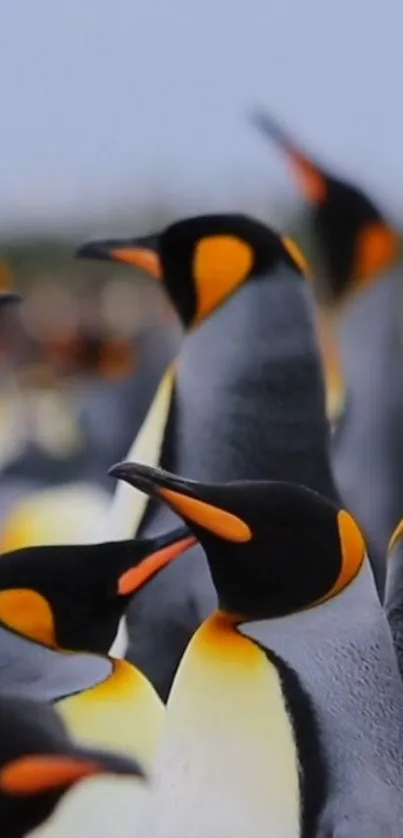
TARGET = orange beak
(182,496)
(136,577)
(311,180)
(140,253)
(33,774)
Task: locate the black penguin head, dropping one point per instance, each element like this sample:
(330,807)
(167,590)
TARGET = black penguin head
(7,297)
(355,242)
(203,260)
(39,763)
(273,548)
(73,597)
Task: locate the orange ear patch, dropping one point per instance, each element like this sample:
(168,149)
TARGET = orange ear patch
(377,247)
(220,265)
(297,255)
(139,257)
(28,613)
(35,774)
(352,548)
(215,520)
(135,577)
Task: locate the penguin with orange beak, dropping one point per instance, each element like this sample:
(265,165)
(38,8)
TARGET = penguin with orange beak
(294,677)
(39,763)
(60,609)
(358,286)
(244,398)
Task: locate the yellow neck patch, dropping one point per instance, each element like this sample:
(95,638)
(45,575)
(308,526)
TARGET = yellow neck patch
(297,255)
(124,712)
(29,614)
(226,711)
(333,372)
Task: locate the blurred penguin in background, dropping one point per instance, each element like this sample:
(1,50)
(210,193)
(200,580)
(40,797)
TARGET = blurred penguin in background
(359,290)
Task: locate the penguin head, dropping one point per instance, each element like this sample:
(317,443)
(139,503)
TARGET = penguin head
(73,597)
(39,764)
(7,297)
(273,548)
(356,243)
(203,260)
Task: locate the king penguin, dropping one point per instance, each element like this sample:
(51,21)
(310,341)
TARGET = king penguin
(359,289)
(285,717)
(245,398)
(39,763)
(60,608)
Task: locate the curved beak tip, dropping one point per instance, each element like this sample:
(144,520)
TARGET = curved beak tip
(115,764)
(119,470)
(93,250)
(135,474)
(132,769)
(266,123)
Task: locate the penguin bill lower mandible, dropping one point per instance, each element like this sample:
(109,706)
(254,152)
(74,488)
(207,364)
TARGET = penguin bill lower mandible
(285,717)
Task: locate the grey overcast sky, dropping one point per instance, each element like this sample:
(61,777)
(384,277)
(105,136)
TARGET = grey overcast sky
(102,98)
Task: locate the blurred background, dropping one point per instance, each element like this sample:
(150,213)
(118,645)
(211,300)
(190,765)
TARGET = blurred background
(118,118)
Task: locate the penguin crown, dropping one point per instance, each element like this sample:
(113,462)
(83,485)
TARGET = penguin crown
(273,547)
(266,246)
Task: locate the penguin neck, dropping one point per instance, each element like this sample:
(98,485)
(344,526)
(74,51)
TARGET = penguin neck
(249,396)
(123,712)
(227,708)
(368,327)
(46,674)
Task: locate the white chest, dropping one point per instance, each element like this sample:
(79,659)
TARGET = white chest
(228,764)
